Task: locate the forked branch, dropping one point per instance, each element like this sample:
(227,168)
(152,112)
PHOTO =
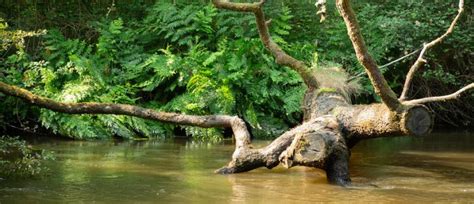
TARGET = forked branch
(421,61)
(281,57)
(379,83)
(452,96)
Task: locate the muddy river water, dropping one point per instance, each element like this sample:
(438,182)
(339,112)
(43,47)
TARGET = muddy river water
(439,168)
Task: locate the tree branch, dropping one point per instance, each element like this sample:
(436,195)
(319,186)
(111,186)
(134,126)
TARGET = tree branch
(238,125)
(242,7)
(281,57)
(421,61)
(270,155)
(452,96)
(379,83)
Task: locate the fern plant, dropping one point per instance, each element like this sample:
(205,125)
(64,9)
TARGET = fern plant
(188,59)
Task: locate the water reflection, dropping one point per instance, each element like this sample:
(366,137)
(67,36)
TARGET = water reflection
(435,168)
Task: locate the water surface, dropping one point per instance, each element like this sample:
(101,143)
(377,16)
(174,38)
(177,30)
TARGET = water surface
(437,168)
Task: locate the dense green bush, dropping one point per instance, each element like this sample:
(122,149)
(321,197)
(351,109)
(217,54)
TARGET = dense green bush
(189,59)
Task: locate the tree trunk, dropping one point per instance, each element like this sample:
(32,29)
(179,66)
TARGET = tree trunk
(332,126)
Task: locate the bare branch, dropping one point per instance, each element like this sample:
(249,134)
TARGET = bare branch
(452,96)
(238,125)
(421,61)
(379,83)
(281,57)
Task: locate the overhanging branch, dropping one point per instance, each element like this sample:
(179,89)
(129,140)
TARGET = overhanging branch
(238,125)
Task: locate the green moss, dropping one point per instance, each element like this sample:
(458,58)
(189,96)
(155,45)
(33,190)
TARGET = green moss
(326,90)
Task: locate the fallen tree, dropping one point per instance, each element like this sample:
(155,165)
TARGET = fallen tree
(331,126)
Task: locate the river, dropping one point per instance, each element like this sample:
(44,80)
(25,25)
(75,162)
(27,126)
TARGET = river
(439,168)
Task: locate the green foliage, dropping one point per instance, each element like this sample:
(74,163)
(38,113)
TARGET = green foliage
(194,59)
(11,68)
(78,72)
(189,59)
(16,37)
(17,159)
(280,27)
(391,30)
(438,74)
(182,27)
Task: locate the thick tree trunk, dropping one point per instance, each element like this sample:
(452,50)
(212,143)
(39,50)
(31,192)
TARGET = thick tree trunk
(332,126)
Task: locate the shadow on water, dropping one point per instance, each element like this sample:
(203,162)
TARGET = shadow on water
(438,168)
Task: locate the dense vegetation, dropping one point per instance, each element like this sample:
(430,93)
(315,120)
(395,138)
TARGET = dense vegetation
(192,58)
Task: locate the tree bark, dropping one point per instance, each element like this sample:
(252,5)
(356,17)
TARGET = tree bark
(331,128)
(331,125)
(238,125)
(379,83)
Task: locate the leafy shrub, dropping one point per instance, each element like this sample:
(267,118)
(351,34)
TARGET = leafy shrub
(188,59)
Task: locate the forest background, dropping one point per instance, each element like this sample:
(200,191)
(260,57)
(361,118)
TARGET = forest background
(189,57)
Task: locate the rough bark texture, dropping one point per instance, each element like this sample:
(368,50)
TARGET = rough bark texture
(324,148)
(320,102)
(332,126)
(268,156)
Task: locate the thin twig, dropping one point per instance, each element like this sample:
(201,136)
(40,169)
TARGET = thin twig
(110,9)
(321,9)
